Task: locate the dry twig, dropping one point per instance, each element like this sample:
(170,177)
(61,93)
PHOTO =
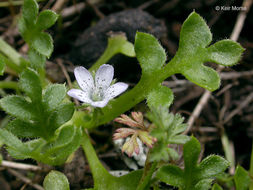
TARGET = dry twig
(25,179)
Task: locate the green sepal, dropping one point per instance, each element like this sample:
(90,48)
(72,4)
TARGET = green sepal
(46,19)
(30,83)
(55,181)
(242,178)
(149,52)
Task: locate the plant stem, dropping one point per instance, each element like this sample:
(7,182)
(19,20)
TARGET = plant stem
(251,168)
(13,3)
(147,174)
(9,85)
(135,95)
(11,53)
(97,169)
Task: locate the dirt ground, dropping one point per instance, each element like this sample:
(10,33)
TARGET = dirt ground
(80,37)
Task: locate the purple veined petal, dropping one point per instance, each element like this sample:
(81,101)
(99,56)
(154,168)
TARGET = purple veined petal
(79,95)
(115,90)
(84,79)
(100,104)
(104,76)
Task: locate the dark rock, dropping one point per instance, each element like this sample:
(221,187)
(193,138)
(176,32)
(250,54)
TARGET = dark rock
(91,44)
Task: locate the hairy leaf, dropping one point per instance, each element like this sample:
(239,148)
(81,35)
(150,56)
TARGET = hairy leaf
(56,180)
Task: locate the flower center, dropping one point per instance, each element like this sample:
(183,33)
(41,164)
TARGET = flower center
(97,95)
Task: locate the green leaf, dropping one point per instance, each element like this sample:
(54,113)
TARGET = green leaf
(149,52)
(43,43)
(18,107)
(2,65)
(58,153)
(30,84)
(195,34)
(23,129)
(179,139)
(30,11)
(61,115)
(161,96)
(55,181)
(211,166)
(225,52)
(46,19)
(203,76)
(204,184)
(216,187)
(37,60)
(242,178)
(12,141)
(193,52)
(53,96)
(191,153)
(172,175)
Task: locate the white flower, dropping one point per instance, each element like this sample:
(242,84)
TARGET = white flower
(99,92)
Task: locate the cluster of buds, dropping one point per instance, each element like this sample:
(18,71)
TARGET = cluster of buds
(137,130)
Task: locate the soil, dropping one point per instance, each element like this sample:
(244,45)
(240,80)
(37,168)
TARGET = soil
(81,38)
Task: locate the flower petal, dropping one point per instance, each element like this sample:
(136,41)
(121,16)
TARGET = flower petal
(80,95)
(99,104)
(104,76)
(115,90)
(84,79)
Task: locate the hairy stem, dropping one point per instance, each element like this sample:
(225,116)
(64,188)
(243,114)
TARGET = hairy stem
(97,169)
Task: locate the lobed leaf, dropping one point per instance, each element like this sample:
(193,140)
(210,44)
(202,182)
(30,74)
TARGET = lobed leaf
(204,184)
(149,52)
(37,60)
(30,11)
(224,52)
(17,106)
(53,95)
(30,84)
(160,96)
(242,178)
(191,153)
(23,129)
(43,43)
(61,115)
(172,175)
(216,187)
(46,19)
(56,180)
(211,166)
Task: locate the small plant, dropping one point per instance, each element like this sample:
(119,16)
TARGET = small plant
(44,125)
